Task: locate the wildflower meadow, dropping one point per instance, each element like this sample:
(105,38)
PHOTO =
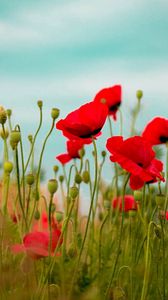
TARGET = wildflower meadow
(49,249)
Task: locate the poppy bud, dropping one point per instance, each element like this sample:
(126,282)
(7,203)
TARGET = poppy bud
(137,196)
(59,216)
(3,115)
(132,213)
(55,168)
(4,133)
(52,186)
(9,112)
(139,94)
(15,138)
(61,178)
(37,215)
(82,152)
(78,178)
(85,176)
(73,192)
(29,179)
(55,113)
(40,103)
(160,200)
(107,204)
(30,138)
(8,167)
(103,153)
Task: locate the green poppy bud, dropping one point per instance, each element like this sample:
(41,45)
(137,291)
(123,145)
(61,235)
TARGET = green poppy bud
(30,138)
(8,167)
(55,168)
(138,196)
(81,152)
(30,179)
(73,192)
(40,103)
(104,153)
(52,186)
(55,113)
(37,215)
(61,178)
(3,115)
(15,137)
(85,176)
(139,94)
(4,133)
(78,178)
(59,216)
(160,200)
(9,112)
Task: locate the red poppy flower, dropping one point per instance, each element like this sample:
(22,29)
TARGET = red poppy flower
(42,224)
(36,244)
(85,122)
(156,131)
(129,203)
(113,96)
(73,148)
(136,156)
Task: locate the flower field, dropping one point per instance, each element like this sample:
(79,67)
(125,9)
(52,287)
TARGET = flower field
(119,250)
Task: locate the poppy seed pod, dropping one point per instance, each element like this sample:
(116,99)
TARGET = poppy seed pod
(59,216)
(139,94)
(4,134)
(55,113)
(52,186)
(160,200)
(3,115)
(85,176)
(40,103)
(103,153)
(8,167)
(30,179)
(73,192)
(78,178)
(15,138)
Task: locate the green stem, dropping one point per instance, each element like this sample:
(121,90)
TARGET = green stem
(163,259)
(100,238)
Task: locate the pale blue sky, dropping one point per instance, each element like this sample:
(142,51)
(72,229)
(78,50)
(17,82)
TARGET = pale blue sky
(65,51)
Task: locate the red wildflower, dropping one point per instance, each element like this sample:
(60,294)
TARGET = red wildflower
(136,156)
(73,147)
(85,122)
(113,96)
(36,244)
(129,203)
(156,131)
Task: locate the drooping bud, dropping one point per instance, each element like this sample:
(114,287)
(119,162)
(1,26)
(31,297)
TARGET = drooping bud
(15,138)
(138,196)
(55,113)
(55,168)
(61,178)
(73,192)
(30,179)
(30,138)
(4,133)
(139,94)
(59,216)
(86,177)
(3,115)
(8,167)
(52,186)
(78,178)
(104,153)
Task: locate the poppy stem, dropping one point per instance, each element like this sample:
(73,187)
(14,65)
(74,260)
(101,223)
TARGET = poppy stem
(100,238)
(120,237)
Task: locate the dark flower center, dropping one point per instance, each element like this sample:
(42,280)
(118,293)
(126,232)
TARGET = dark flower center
(163,139)
(140,164)
(114,107)
(91,133)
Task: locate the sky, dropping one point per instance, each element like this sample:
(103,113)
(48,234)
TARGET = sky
(64,52)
